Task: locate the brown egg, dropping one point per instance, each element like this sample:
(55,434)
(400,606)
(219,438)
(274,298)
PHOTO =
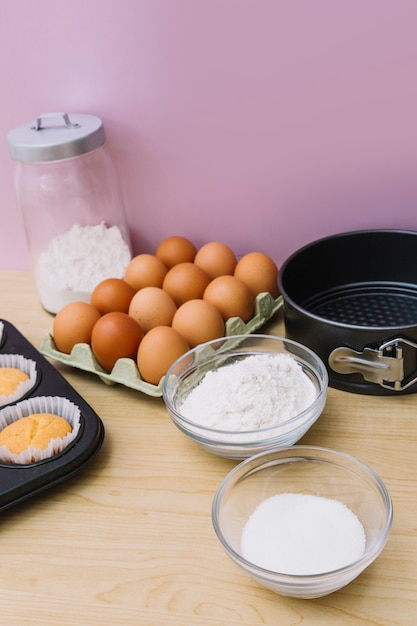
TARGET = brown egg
(73,324)
(115,335)
(216,259)
(198,321)
(231,297)
(158,350)
(185,281)
(112,294)
(152,306)
(176,249)
(145,270)
(259,272)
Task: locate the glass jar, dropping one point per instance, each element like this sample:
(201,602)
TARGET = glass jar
(69,194)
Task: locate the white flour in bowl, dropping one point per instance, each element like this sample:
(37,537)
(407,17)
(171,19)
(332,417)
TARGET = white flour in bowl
(260,391)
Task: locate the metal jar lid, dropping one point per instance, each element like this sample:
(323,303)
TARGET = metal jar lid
(56,136)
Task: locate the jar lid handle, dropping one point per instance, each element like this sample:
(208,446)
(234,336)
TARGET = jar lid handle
(65,117)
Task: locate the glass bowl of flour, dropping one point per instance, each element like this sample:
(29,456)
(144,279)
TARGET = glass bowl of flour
(244,394)
(302,521)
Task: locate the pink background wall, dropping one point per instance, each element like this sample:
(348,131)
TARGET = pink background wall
(262,123)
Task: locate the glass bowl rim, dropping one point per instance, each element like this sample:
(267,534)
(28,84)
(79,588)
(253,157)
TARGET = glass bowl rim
(319,371)
(280,577)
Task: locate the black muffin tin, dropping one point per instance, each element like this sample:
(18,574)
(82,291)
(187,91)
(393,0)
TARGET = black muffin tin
(19,482)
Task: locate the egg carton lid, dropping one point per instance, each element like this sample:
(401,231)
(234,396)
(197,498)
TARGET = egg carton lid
(126,372)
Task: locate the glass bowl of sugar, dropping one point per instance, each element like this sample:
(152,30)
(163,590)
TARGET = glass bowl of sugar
(240,395)
(303,521)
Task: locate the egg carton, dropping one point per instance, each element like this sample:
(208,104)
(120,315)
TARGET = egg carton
(125,371)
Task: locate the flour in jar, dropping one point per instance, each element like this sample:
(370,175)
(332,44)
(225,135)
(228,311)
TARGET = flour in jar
(77,261)
(259,391)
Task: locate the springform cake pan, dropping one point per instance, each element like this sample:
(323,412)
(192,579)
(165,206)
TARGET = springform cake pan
(352,299)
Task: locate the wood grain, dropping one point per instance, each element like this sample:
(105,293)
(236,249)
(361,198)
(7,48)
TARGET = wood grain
(129,540)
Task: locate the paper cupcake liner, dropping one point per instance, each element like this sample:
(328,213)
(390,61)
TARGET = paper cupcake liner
(42,404)
(26,365)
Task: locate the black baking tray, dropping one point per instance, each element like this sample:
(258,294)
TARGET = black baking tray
(352,298)
(19,482)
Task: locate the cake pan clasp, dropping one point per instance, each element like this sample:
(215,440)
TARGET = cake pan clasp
(384,365)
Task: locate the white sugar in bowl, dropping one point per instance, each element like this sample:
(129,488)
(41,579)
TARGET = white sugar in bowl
(302,521)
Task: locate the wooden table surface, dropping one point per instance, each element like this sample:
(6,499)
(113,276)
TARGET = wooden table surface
(129,540)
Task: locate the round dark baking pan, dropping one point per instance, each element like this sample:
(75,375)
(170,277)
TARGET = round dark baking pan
(352,298)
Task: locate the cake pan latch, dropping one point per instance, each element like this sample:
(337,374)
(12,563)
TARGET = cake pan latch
(384,365)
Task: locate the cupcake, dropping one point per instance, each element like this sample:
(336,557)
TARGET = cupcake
(37,428)
(17,377)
